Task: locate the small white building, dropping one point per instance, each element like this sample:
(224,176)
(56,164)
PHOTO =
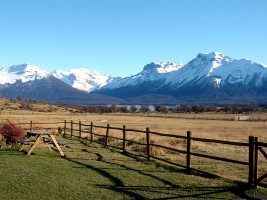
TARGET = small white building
(242,118)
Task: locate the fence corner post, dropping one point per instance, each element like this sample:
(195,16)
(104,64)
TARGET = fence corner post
(251,160)
(80,130)
(31,126)
(188,149)
(148,143)
(91,132)
(71,128)
(107,132)
(65,126)
(124,139)
(256,159)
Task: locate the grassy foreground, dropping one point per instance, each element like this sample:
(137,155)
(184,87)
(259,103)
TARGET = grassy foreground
(91,171)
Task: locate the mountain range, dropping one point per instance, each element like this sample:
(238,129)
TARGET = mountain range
(32,82)
(210,78)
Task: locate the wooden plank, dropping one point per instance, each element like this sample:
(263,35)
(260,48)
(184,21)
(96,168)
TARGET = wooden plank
(261,178)
(99,135)
(262,144)
(251,160)
(148,143)
(188,150)
(169,135)
(31,126)
(220,158)
(133,130)
(124,139)
(263,152)
(107,132)
(85,131)
(80,130)
(262,184)
(113,137)
(96,126)
(115,128)
(168,148)
(21,147)
(256,159)
(34,145)
(135,142)
(71,128)
(219,141)
(57,146)
(85,124)
(65,126)
(91,132)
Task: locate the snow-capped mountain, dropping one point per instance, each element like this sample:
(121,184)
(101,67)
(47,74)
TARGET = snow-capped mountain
(154,71)
(32,82)
(23,73)
(83,79)
(214,66)
(208,78)
(219,70)
(209,75)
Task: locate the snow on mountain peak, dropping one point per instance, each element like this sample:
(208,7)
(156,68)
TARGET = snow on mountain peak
(215,57)
(83,79)
(162,67)
(222,69)
(24,73)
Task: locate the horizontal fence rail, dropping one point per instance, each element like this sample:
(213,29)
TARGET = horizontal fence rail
(254,146)
(252,179)
(251,145)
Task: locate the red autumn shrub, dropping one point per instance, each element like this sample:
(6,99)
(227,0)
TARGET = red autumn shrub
(11,132)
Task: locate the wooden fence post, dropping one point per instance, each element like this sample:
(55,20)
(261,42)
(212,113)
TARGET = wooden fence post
(107,132)
(31,126)
(188,150)
(251,160)
(65,126)
(124,139)
(256,158)
(91,132)
(80,130)
(148,143)
(71,128)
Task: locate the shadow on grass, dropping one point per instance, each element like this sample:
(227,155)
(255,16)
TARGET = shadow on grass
(201,192)
(118,184)
(171,190)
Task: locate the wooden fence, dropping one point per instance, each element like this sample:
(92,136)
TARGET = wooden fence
(255,147)
(198,117)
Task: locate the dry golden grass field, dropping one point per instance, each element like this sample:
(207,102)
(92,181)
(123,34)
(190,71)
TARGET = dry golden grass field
(238,131)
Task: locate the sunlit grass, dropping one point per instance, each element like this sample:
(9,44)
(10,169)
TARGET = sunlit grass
(216,129)
(90,171)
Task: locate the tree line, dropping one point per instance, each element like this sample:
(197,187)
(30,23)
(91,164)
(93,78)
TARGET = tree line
(184,108)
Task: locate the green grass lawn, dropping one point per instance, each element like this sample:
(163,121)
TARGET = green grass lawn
(90,171)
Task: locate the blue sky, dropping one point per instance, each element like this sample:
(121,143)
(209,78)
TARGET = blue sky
(119,37)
